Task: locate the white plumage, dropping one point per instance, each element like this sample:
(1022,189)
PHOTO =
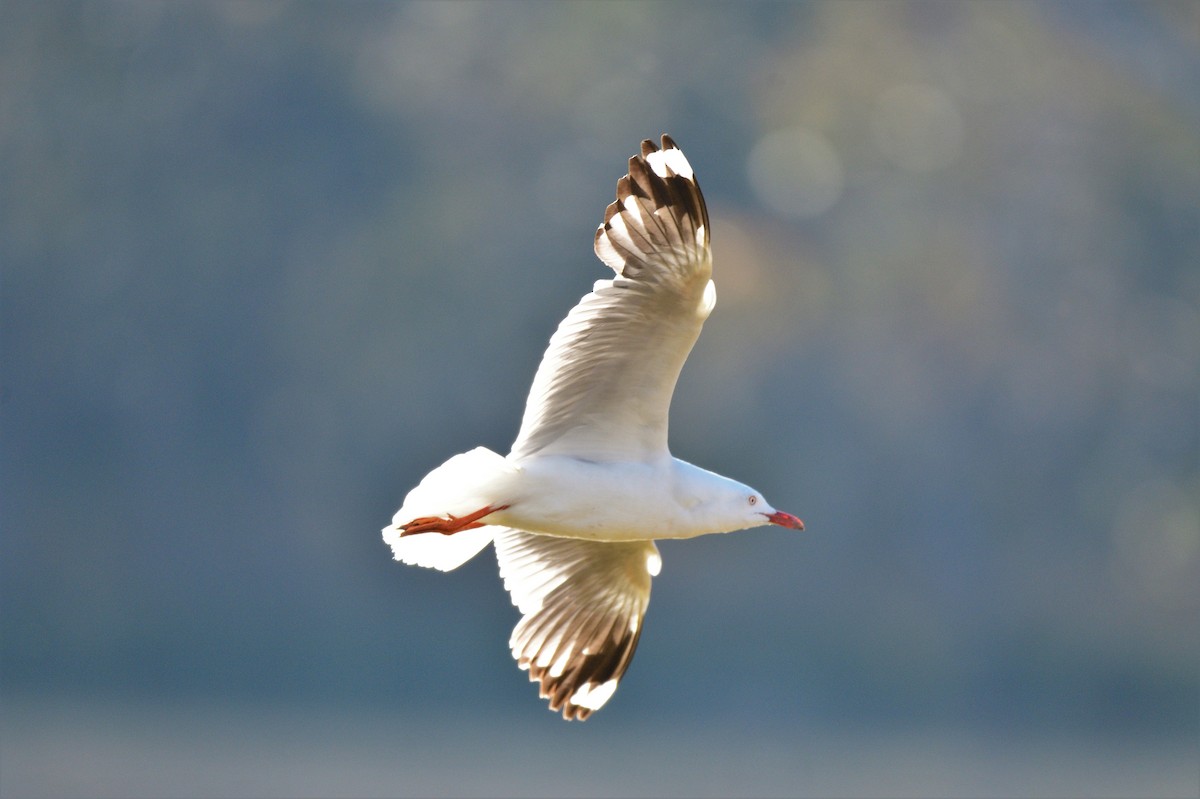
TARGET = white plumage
(574,507)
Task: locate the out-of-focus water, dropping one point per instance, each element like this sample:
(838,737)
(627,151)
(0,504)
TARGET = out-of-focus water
(62,749)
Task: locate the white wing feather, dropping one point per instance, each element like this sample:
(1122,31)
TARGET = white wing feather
(582,603)
(603,389)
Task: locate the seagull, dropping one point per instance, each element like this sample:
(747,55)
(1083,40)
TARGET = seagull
(574,509)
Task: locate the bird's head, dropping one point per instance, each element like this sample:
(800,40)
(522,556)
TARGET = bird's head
(732,506)
(763,513)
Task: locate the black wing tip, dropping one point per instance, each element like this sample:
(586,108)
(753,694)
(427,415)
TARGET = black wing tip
(668,143)
(671,189)
(664,186)
(598,673)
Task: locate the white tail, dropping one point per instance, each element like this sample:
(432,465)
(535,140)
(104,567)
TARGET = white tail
(460,486)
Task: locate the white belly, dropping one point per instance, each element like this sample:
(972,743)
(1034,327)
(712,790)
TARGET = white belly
(568,497)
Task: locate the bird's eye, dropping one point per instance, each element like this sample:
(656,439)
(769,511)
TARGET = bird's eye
(753,499)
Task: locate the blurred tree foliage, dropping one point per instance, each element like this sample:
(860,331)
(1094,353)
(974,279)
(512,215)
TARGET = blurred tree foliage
(264,264)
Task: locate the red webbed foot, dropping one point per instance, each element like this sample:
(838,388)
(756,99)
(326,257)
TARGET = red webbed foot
(450,524)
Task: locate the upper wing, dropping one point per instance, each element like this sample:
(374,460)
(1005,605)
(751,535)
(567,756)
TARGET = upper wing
(604,385)
(582,603)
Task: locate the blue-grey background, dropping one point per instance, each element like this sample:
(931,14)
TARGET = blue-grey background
(266,264)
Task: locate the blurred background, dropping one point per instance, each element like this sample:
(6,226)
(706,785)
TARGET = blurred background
(266,264)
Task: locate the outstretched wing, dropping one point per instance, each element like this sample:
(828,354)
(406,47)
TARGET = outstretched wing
(582,603)
(604,386)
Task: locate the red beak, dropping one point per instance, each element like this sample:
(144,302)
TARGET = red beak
(785,520)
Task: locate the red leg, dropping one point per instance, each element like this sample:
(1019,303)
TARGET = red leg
(450,524)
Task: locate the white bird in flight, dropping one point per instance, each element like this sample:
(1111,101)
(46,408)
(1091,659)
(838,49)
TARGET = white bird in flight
(575,507)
